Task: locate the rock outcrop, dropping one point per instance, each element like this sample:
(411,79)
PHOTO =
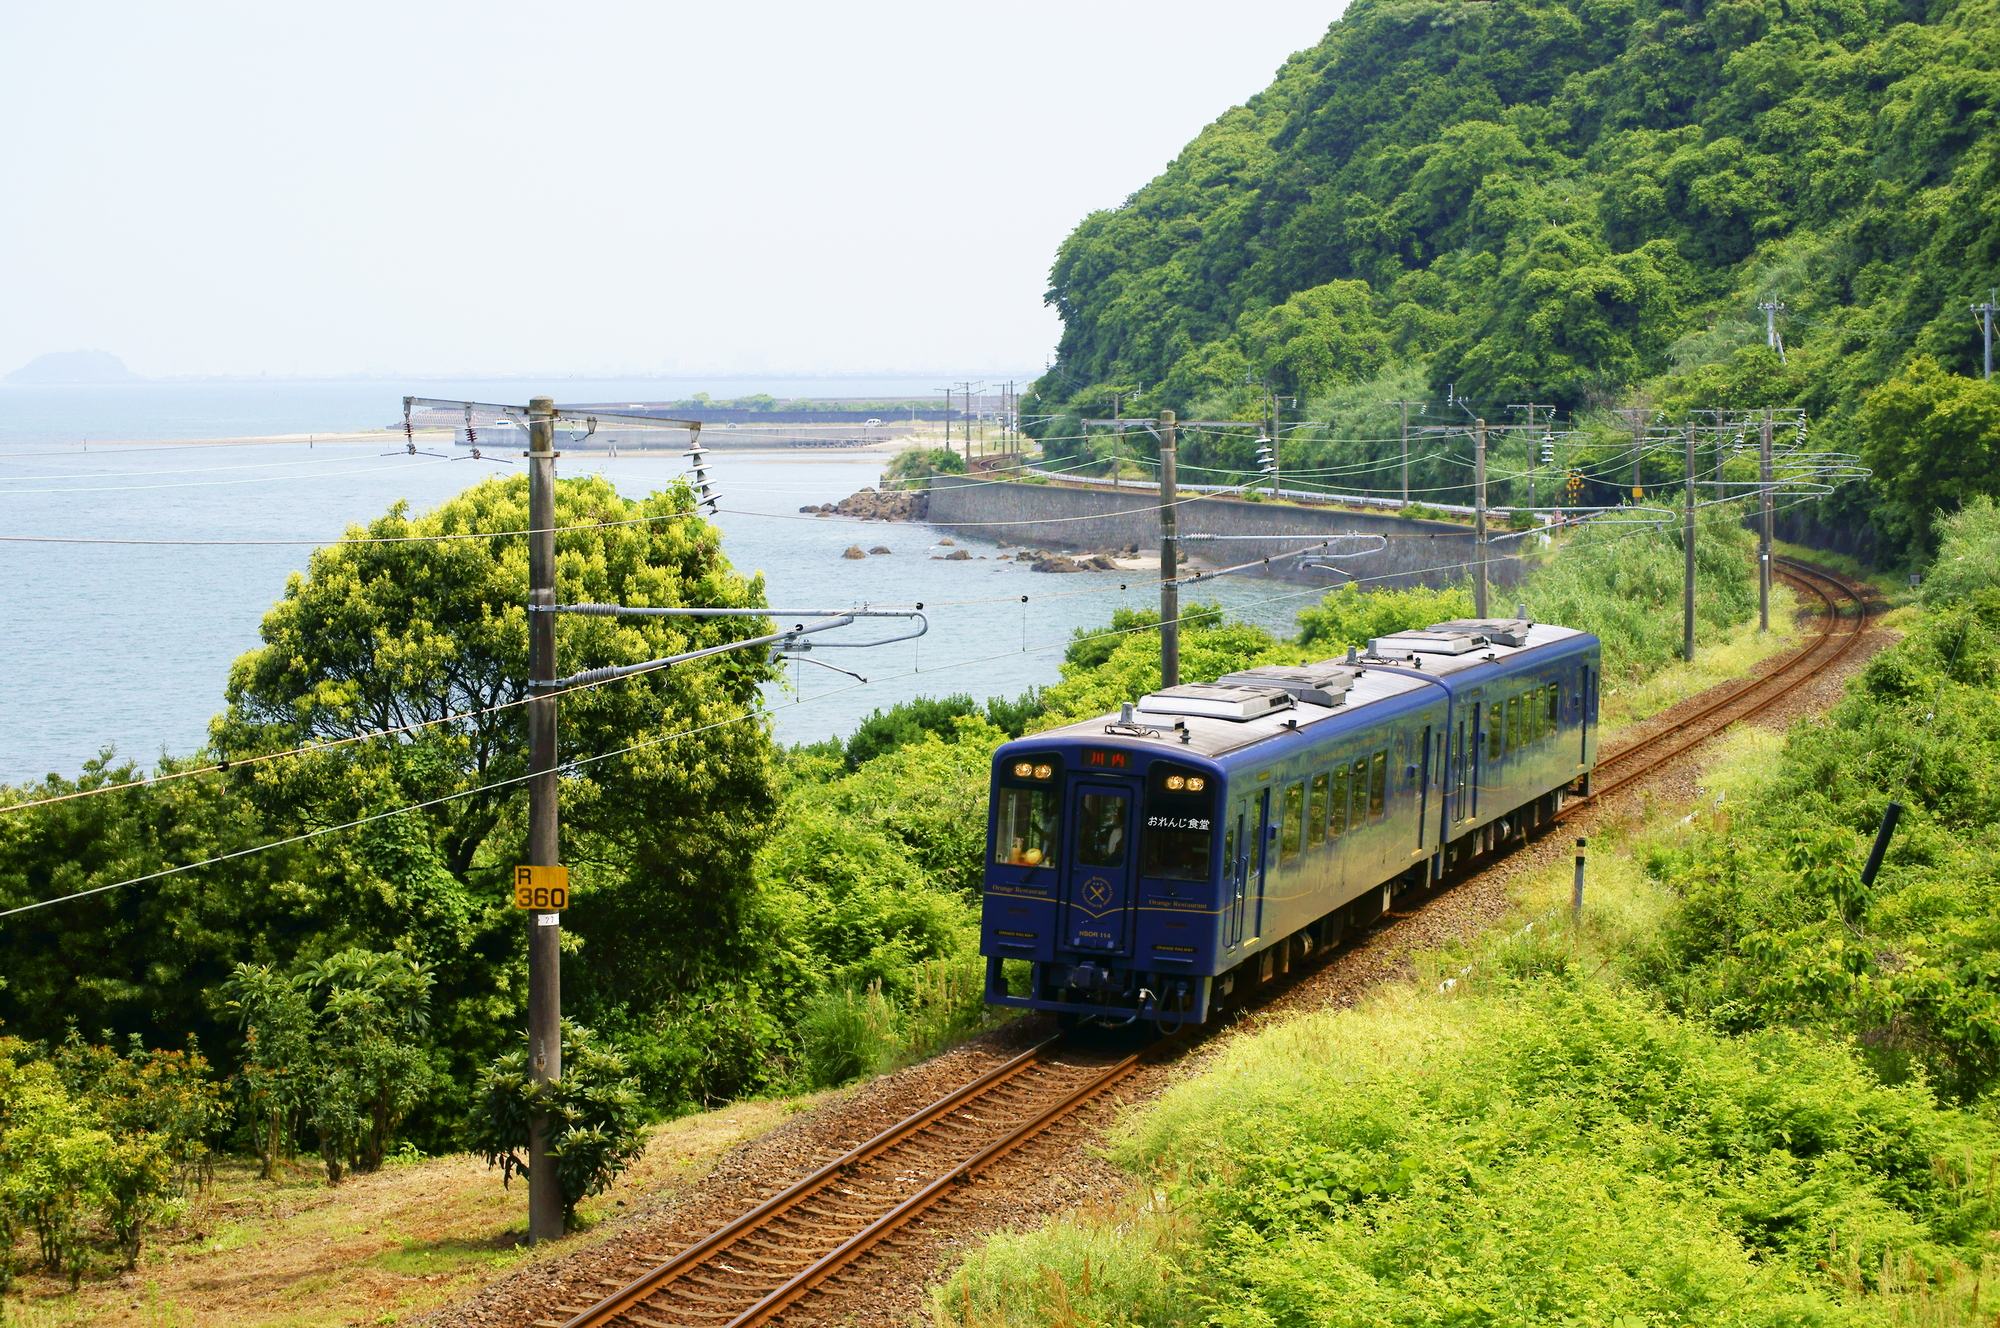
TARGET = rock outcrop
(875,505)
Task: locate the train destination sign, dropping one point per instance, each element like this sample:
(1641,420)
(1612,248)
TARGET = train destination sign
(542,889)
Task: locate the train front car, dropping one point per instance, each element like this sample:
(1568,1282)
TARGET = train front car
(1158,862)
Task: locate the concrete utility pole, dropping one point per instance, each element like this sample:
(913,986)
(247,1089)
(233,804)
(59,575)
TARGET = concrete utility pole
(1271,419)
(1687,539)
(545,1205)
(1772,308)
(1986,312)
(1406,443)
(1764,533)
(1170,598)
(1479,518)
(947,417)
(1117,434)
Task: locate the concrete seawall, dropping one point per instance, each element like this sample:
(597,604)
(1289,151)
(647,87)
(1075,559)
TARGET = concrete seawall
(1430,553)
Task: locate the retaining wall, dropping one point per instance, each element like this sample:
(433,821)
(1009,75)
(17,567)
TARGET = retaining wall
(1430,553)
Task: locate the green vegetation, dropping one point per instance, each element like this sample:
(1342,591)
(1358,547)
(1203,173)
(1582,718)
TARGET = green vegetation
(1571,202)
(95,1149)
(594,1108)
(912,468)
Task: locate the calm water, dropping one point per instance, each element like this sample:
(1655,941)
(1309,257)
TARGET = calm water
(129,646)
(62,413)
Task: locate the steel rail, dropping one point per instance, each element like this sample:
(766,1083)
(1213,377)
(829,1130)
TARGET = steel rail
(1659,749)
(629,1301)
(875,1232)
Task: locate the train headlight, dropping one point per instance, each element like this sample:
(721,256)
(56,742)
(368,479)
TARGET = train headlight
(1025,770)
(1044,771)
(1195,783)
(1176,783)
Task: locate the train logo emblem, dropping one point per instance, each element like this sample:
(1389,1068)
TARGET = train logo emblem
(1097,891)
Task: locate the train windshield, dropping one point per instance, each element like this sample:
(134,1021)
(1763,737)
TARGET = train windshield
(1026,833)
(1180,817)
(1101,833)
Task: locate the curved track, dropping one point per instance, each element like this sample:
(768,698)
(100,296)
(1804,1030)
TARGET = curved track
(1635,761)
(814,1237)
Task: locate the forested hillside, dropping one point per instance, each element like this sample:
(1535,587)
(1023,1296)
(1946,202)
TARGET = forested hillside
(1576,202)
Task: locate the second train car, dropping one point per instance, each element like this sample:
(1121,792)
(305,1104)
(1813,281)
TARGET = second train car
(1159,862)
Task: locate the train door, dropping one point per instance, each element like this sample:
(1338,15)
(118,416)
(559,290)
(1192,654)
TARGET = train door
(1243,839)
(1583,709)
(1475,758)
(1097,870)
(1424,787)
(1260,858)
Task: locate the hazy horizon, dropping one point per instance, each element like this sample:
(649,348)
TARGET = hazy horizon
(447,190)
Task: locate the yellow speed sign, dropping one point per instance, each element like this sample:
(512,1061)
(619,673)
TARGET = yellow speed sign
(543,889)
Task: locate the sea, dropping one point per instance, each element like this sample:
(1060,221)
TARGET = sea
(126,648)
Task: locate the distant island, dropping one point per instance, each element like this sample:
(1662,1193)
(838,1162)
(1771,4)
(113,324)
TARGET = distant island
(74,366)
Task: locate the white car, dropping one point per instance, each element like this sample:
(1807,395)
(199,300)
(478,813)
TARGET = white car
(872,424)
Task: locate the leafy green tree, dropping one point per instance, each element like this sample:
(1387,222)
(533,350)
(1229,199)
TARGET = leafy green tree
(1933,442)
(432,632)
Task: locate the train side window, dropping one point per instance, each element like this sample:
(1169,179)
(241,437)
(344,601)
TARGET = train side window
(1026,834)
(1337,815)
(1229,850)
(1316,812)
(1531,715)
(1492,730)
(1295,816)
(1555,706)
(1357,808)
(1513,724)
(1378,784)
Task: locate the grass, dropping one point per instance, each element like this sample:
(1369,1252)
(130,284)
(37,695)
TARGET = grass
(1741,649)
(380,1248)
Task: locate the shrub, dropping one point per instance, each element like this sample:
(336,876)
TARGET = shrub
(911,469)
(596,1128)
(1968,556)
(1351,616)
(844,1036)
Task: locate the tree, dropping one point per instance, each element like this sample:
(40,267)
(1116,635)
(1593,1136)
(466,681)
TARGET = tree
(1933,441)
(427,636)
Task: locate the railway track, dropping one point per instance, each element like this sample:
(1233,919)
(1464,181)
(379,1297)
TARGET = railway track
(816,1236)
(809,1238)
(1633,762)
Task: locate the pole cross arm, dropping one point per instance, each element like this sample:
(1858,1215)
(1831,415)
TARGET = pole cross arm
(561,412)
(589,676)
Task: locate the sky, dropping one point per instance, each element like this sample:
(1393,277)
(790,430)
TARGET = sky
(595,188)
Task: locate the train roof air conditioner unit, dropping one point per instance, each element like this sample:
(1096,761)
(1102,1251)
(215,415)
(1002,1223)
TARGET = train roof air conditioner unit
(1325,683)
(1499,631)
(1217,701)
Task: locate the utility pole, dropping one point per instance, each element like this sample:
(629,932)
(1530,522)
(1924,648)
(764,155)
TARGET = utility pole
(1117,433)
(1531,407)
(545,1204)
(1764,534)
(947,418)
(1406,443)
(1772,308)
(1170,598)
(1687,539)
(1986,312)
(1479,518)
(1271,418)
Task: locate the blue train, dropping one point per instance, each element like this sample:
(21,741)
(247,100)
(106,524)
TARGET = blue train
(1162,862)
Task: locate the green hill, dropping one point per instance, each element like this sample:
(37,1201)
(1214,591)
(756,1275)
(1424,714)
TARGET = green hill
(1580,203)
